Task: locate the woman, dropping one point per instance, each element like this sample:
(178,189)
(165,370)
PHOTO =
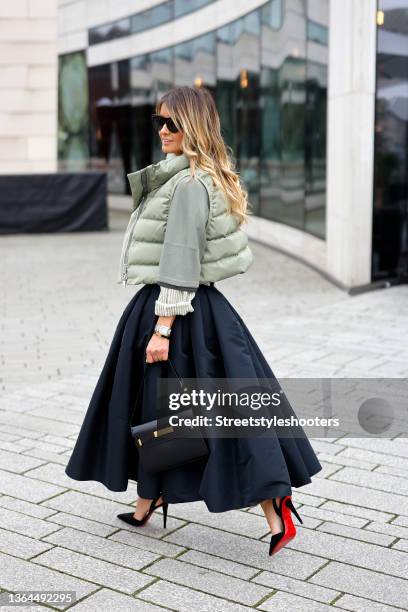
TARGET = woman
(185,234)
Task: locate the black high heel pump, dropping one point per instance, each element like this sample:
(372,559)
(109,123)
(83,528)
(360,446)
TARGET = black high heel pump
(279,540)
(128,517)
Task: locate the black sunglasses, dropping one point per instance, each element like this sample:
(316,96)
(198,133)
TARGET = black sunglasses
(159,121)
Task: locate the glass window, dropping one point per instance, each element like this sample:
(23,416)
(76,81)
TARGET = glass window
(390,214)
(151,76)
(317,32)
(195,61)
(269,80)
(157,15)
(182,7)
(283,118)
(293,101)
(237,96)
(272,14)
(109,31)
(110,122)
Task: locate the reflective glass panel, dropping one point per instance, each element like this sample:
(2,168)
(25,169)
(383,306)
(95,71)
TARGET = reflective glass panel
(390,215)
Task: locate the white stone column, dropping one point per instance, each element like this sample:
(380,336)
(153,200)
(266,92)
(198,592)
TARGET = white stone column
(28,86)
(350,146)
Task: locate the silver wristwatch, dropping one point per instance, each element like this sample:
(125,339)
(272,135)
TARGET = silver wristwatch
(162,330)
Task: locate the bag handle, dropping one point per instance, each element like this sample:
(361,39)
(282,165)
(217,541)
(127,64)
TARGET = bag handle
(142,382)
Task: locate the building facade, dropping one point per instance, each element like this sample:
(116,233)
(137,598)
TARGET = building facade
(28,87)
(302,88)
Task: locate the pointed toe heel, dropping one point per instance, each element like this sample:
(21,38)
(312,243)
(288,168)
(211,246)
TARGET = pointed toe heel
(128,517)
(279,540)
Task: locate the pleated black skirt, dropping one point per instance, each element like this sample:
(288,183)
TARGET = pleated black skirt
(213,341)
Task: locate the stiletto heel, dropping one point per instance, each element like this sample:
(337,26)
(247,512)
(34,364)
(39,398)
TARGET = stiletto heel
(279,540)
(165,506)
(128,517)
(290,505)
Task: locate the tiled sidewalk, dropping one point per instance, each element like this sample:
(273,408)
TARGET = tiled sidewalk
(58,315)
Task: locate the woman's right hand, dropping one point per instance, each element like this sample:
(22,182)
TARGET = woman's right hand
(157,349)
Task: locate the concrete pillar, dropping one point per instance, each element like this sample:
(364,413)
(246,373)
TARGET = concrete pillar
(350,147)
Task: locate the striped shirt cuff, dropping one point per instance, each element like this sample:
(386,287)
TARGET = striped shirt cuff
(173,302)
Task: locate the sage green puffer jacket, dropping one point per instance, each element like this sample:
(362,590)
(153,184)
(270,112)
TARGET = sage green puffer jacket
(227,252)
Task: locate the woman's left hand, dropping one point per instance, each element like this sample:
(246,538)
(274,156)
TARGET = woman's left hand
(157,349)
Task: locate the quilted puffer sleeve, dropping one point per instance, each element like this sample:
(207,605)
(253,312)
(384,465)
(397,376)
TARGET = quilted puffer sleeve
(183,248)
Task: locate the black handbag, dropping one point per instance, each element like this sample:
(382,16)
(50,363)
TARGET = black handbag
(161,446)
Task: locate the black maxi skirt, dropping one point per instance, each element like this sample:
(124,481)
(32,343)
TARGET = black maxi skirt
(213,341)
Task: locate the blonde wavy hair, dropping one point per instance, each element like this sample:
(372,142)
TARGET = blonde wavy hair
(194,112)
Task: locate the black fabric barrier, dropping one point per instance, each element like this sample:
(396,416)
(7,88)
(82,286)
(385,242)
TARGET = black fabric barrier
(58,202)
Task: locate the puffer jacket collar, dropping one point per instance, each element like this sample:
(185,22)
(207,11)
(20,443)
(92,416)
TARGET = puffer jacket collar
(153,176)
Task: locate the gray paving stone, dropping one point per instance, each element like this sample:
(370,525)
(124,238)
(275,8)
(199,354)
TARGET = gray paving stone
(395,531)
(396,449)
(296,587)
(37,424)
(93,570)
(180,598)
(26,525)
(364,583)
(328,515)
(20,431)
(328,468)
(372,480)
(242,523)
(101,548)
(400,520)
(358,604)
(55,474)
(294,603)
(60,413)
(401,545)
(105,599)
(217,564)
(58,440)
(47,446)
(342,459)
(8,437)
(13,447)
(12,608)
(15,462)
(20,546)
(138,540)
(324,446)
(359,495)
(69,520)
(357,511)
(361,535)
(249,552)
(19,505)
(105,511)
(308,522)
(214,583)
(27,443)
(20,575)
(47,456)
(393,471)
(304,497)
(359,454)
(20,403)
(345,550)
(26,488)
